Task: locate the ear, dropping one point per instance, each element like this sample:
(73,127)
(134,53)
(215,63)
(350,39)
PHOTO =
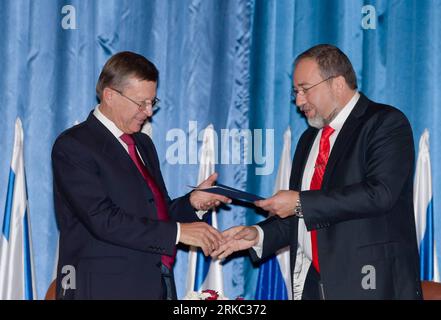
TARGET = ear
(339,84)
(107,95)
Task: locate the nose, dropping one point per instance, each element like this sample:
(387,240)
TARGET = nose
(300,100)
(148,111)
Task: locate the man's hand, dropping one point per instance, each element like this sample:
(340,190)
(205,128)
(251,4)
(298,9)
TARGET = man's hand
(201,234)
(236,238)
(203,200)
(281,204)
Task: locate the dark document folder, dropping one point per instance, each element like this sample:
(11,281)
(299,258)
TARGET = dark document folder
(231,193)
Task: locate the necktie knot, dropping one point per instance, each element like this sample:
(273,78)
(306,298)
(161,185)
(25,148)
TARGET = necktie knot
(327,131)
(128,139)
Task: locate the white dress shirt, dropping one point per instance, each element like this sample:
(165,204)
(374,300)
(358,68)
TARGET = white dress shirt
(304,250)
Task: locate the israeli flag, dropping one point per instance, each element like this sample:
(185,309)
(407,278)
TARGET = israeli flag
(16,265)
(203,272)
(424,212)
(274,280)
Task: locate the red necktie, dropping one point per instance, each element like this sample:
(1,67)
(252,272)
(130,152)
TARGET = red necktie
(161,205)
(316,183)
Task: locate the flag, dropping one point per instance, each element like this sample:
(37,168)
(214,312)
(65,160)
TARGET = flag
(274,280)
(203,272)
(423,205)
(17,280)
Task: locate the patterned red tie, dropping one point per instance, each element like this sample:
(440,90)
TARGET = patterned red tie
(316,183)
(161,205)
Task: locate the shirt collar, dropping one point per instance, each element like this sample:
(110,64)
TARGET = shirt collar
(107,122)
(340,119)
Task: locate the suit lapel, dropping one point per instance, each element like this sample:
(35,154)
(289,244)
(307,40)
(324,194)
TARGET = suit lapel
(113,149)
(146,154)
(347,132)
(110,145)
(299,166)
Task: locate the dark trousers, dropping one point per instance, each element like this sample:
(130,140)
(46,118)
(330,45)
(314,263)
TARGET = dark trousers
(168,284)
(313,288)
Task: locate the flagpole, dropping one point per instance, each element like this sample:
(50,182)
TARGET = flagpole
(17,276)
(203,272)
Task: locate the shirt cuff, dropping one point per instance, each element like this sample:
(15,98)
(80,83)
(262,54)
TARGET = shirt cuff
(178,235)
(258,248)
(200,213)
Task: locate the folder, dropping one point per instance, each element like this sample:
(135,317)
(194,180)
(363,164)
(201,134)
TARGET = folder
(230,193)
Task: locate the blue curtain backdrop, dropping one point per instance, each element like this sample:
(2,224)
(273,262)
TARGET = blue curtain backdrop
(226,62)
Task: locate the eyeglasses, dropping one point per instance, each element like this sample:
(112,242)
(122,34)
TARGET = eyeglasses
(303,91)
(142,105)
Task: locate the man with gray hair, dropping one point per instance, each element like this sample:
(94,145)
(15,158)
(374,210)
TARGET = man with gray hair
(348,216)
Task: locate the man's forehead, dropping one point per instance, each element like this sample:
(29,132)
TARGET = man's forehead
(138,84)
(305,71)
(135,81)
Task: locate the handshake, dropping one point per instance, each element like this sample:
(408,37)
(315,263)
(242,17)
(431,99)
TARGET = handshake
(221,244)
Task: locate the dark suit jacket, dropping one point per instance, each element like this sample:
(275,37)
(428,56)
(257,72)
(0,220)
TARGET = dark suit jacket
(363,213)
(109,230)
